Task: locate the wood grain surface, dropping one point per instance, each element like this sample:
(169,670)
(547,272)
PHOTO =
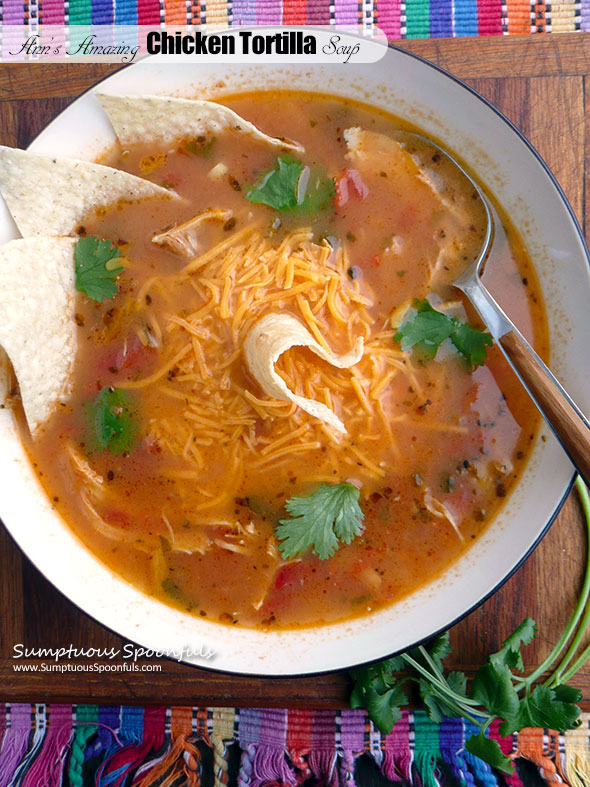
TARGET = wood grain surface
(541,83)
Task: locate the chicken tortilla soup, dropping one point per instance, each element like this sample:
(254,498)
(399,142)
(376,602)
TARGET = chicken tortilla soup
(280,412)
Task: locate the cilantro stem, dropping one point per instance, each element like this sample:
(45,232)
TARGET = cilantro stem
(426,656)
(558,676)
(457,700)
(441,678)
(562,674)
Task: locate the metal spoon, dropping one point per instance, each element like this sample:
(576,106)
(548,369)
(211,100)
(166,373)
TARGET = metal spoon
(567,421)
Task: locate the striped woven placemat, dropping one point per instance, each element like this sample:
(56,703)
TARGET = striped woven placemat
(86,745)
(397,18)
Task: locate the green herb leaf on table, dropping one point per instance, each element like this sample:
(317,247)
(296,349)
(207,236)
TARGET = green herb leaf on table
(96,267)
(493,688)
(489,751)
(435,700)
(439,648)
(510,653)
(292,187)
(429,328)
(113,420)
(321,521)
(544,707)
(565,693)
(380,693)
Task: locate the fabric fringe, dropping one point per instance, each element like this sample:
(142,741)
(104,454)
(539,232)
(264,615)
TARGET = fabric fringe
(143,734)
(47,768)
(574,760)
(181,760)
(41,746)
(397,19)
(15,741)
(398,754)
(540,747)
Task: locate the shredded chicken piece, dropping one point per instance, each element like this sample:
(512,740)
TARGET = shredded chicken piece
(241,549)
(82,467)
(182,239)
(440,511)
(114,532)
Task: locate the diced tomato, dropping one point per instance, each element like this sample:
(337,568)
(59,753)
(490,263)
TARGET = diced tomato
(349,185)
(113,516)
(129,355)
(291,573)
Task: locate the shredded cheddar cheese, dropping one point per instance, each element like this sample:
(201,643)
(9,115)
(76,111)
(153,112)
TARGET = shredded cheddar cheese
(220,407)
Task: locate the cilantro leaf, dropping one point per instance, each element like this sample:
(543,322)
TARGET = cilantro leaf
(384,708)
(292,187)
(439,648)
(565,693)
(113,420)
(436,701)
(489,750)
(545,707)
(429,328)
(380,693)
(95,267)
(492,687)
(471,343)
(510,654)
(278,188)
(320,521)
(426,331)
(317,195)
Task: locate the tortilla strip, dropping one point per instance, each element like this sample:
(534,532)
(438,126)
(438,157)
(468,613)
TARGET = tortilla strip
(269,338)
(50,196)
(37,329)
(159,119)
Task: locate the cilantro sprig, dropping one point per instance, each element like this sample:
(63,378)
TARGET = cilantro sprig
(330,515)
(428,329)
(96,265)
(293,187)
(518,701)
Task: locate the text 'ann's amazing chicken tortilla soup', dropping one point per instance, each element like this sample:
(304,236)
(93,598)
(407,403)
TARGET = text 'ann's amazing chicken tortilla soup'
(281,413)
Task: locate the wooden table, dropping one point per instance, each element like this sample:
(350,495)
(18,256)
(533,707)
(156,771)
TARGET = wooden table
(541,83)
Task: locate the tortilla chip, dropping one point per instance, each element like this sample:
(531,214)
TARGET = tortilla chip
(163,120)
(37,329)
(270,337)
(51,196)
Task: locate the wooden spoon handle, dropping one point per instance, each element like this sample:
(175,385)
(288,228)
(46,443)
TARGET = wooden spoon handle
(570,425)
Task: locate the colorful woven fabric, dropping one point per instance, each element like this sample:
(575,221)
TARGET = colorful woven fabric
(251,747)
(397,18)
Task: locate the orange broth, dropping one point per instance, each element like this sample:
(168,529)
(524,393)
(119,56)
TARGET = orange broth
(188,514)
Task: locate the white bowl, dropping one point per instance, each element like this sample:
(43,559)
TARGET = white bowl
(510,168)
